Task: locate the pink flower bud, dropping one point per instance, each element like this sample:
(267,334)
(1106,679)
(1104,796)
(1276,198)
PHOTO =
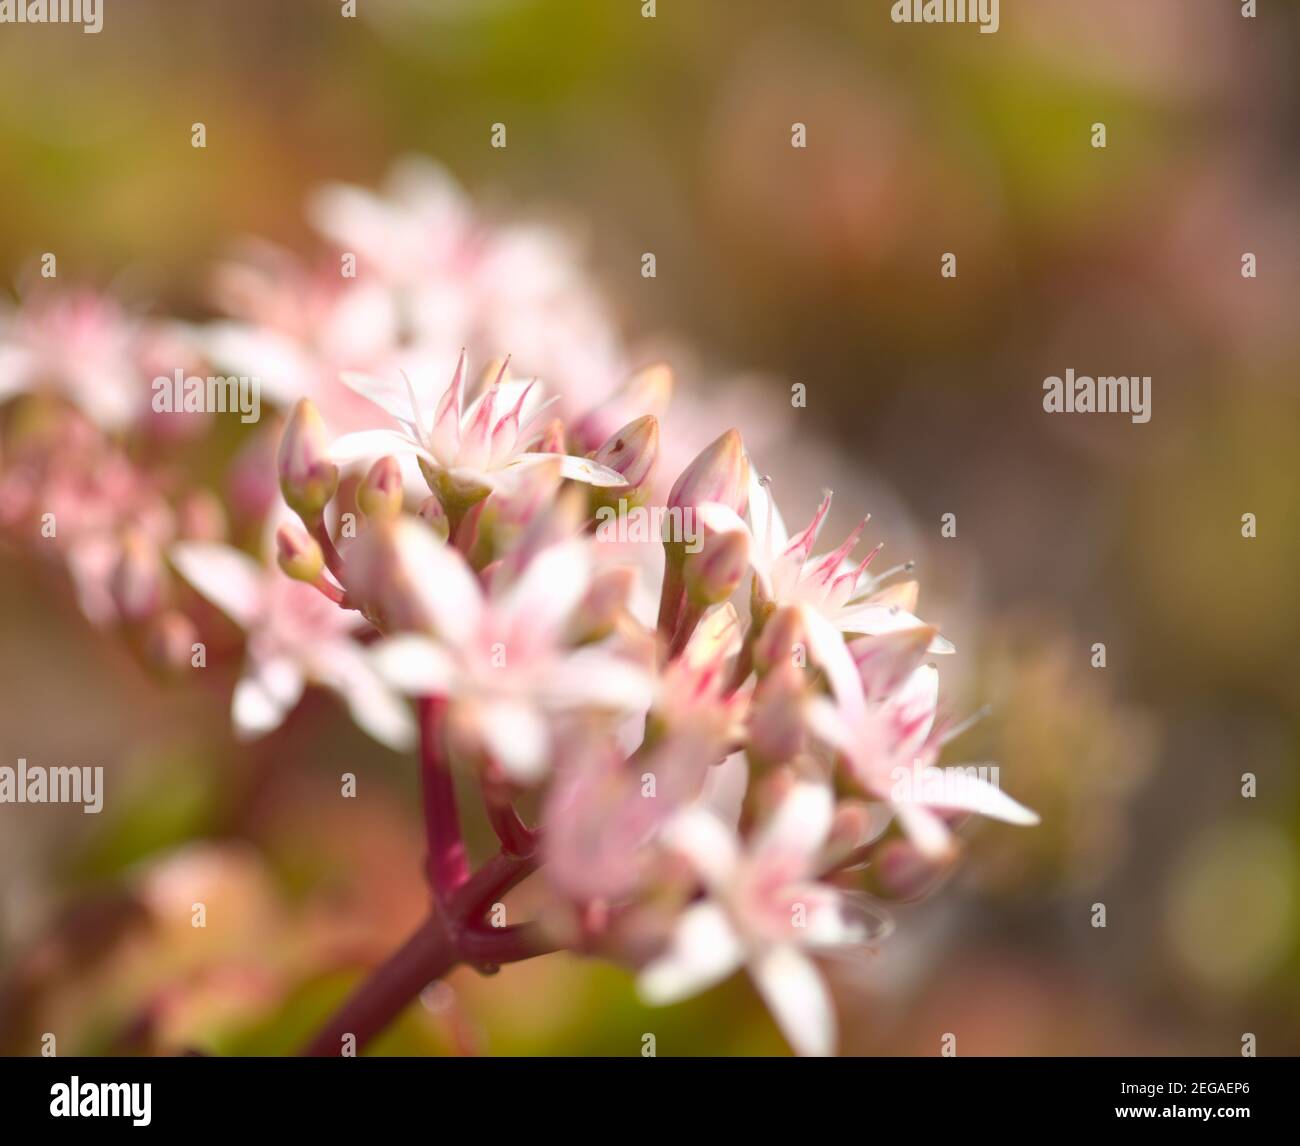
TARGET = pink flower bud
(776,717)
(137,581)
(899,871)
(298,553)
(646,392)
(781,642)
(169,644)
(308,478)
(720,473)
(380,493)
(399,570)
(201,517)
(632,451)
(604,603)
(712,574)
(432,513)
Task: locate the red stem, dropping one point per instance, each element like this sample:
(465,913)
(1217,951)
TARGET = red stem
(447,866)
(454,933)
(440,943)
(516,837)
(332,558)
(429,954)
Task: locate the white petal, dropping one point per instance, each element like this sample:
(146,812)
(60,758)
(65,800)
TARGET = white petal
(794,992)
(926,830)
(724,788)
(264,696)
(366,445)
(392,395)
(15,369)
(550,588)
(800,824)
(597,678)
(517,738)
(709,844)
(961,791)
(277,360)
(437,575)
(377,710)
(720,518)
(871,620)
(827,722)
(704,950)
(770,534)
(578,469)
(827,648)
(227,577)
(413,664)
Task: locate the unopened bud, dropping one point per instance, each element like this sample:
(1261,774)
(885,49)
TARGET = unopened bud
(298,553)
(432,513)
(781,641)
(136,583)
(646,392)
(776,718)
(308,478)
(400,570)
(169,643)
(380,492)
(899,871)
(712,574)
(604,603)
(720,473)
(632,451)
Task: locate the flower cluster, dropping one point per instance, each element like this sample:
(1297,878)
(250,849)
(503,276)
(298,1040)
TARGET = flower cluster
(712,783)
(723,737)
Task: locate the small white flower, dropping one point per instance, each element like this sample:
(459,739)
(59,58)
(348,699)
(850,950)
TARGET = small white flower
(787,573)
(295,637)
(879,738)
(501,657)
(470,448)
(763,909)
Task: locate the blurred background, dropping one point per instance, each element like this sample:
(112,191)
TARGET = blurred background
(818,266)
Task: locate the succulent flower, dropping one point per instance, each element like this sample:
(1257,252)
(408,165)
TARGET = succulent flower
(295,637)
(465,451)
(764,909)
(502,658)
(714,788)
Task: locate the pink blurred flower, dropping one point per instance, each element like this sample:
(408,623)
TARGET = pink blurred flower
(81,345)
(295,637)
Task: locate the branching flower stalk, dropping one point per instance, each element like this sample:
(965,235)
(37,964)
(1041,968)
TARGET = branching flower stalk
(524,658)
(731,741)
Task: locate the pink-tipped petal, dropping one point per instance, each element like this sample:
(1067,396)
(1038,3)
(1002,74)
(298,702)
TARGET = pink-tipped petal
(445,434)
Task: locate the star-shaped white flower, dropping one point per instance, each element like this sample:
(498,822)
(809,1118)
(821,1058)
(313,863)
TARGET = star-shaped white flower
(890,746)
(786,572)
(295,637)
(764,908)
(469,449)
(502,656)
